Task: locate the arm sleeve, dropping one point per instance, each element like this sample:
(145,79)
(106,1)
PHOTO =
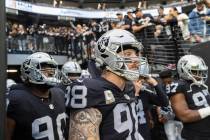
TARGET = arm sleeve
(13,106)
(192,23)
(160,98)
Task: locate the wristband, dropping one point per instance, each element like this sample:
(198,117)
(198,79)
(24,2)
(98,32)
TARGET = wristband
(204,112)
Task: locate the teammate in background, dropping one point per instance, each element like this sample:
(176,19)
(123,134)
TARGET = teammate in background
(85,74)
(190,98)
(36,111)
(10,83)
(71,71)
(104,107)
(151,94)
(172,125)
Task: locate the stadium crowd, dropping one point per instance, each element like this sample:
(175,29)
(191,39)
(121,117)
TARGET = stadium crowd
(77,38)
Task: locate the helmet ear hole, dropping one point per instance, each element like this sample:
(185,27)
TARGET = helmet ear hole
(182,70)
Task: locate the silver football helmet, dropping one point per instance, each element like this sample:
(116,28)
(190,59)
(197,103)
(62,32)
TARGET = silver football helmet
(85,74)
(70,69)
(32,69)
(192,67)
(107,48)
(144,70)
(10,83)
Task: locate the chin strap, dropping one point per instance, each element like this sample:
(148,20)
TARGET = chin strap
(130,78)
(115,72)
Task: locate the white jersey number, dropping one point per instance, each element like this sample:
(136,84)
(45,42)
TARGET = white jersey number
(140,112)
(123,121)
(79,97)
(67,95)
(171,88)
(200,99)
(49,132)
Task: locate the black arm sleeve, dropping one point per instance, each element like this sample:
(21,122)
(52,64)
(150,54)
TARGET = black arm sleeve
(160,98)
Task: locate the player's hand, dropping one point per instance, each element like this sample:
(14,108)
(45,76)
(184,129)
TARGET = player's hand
(150,80)
(138,86)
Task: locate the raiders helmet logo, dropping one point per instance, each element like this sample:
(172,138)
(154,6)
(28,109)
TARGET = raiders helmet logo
(103,44)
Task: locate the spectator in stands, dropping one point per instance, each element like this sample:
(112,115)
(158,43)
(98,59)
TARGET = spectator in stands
(143,4)
(121,21)
(128,21)
(159,33)
(13,37)
(182,20)
(207,3)
(200,22)
(140,23)
(113,24)
(160,18)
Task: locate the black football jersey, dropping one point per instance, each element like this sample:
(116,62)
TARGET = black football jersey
(145,100)
(118,108)
(35,119)
(197,97)
(66,90)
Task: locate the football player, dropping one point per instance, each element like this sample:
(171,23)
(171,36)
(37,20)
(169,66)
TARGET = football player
(71,72)
(172,125)
(104,107)
(151,93)
(85,74)
(10,83)
(36,111)
(190,98)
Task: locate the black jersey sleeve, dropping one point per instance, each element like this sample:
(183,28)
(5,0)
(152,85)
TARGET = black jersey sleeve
(160,98)
(14,105)
(87,94)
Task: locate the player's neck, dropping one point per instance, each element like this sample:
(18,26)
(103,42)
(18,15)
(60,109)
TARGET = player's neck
(40,92)
(115,79)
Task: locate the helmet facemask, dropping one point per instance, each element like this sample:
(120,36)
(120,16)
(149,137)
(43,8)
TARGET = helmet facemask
(120,65)
(144,68)
(51,75)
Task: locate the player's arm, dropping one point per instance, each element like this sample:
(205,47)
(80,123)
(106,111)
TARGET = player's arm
(183,112)
(160,98)
(10,126)
(137,28)
(84,124)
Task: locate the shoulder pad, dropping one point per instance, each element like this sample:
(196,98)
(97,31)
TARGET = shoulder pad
(176,87)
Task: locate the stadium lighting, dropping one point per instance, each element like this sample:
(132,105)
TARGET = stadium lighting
(12,71)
